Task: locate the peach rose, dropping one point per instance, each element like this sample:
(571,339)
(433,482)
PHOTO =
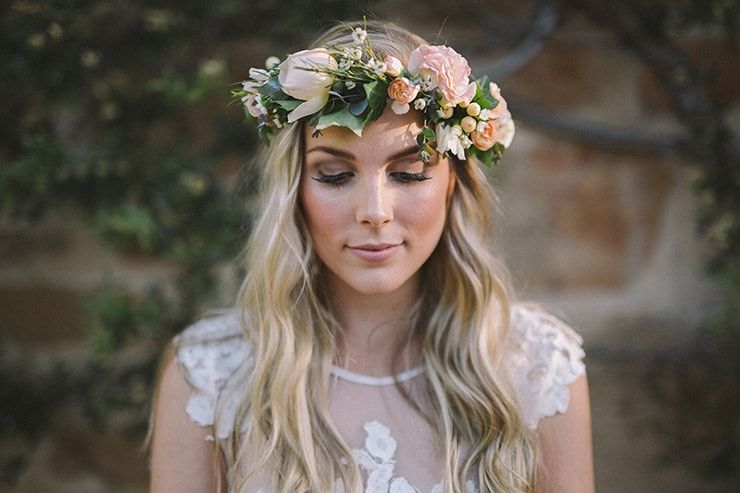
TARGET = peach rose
(402,90)
(484,138)
(493,131)
(447,68)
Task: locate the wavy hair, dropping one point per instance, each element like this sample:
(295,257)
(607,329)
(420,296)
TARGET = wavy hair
(462,319)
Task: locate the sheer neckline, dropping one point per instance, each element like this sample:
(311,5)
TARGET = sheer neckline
(351,376)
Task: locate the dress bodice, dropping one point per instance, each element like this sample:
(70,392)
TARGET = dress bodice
(392,444)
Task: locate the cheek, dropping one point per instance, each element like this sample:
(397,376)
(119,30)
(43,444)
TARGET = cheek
(425,213)
(322,213)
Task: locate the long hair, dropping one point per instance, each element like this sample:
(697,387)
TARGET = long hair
(461,318)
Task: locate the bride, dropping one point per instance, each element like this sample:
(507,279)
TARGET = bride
(376,344)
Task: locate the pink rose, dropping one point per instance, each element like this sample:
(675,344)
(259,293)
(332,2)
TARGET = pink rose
(447,68)
(402,90)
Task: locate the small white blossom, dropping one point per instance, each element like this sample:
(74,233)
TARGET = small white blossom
(380,67)
(258,74)
(352,52)
(447,140)
(481,126)
(358,35)
(345,63)
(425,156)
(465,141)
(420,104)
(350,84)
(272,62)
(427,84)
(485,114)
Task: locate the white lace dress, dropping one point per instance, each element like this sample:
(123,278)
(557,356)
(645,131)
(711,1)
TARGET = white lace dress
(392,444)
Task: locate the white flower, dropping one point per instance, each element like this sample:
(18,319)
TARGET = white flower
(376,66)
(251,86)
(377,480)
(481,126)
(345,63)
(350,84)
(358,35)
(379,441)
(400,108)
(400,485)
(258,74)
(485,114)
(445,112)
(302,76)
(448,140)
(427,83)
(271,62)
(420,104)
(352,52)
(465,141)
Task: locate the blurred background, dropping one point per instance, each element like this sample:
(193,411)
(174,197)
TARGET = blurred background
(124,189)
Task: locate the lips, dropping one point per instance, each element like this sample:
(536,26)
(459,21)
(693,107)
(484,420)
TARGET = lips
(375,252)
(374,247)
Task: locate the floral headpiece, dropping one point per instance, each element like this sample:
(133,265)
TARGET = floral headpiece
(349,87)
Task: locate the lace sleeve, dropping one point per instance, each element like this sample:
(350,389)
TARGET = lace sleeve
(210,353)
(544,357)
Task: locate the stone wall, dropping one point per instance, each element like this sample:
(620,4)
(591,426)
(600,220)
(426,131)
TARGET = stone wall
(604,238)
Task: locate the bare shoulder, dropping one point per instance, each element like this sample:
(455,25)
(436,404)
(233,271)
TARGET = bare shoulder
(566,446)
(181,455)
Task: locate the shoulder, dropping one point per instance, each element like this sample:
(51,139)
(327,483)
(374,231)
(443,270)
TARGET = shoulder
(212,355)
(543,357)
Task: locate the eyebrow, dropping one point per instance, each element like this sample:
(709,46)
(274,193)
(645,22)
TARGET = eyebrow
(348,155)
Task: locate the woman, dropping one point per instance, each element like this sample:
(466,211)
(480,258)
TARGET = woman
(375,345)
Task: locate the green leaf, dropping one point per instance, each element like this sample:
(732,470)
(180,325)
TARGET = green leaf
(341,118)
(288,104)
(428,133)
(272,90)
(377,93)
(358,107)
(482,96)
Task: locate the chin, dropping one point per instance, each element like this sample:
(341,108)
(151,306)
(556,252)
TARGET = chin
(370,285)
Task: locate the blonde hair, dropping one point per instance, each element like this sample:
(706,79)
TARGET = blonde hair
(461,318)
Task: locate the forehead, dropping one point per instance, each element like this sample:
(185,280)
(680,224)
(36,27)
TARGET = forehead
(385,136)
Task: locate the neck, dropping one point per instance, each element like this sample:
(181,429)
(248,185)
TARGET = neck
(375,328)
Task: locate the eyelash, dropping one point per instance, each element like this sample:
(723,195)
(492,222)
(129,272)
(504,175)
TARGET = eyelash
(339,179)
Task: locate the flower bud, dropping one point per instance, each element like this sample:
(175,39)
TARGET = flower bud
(468,124)
(473,109)
(272,62)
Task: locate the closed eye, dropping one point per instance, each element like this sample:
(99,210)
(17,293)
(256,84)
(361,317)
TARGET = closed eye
(339,179)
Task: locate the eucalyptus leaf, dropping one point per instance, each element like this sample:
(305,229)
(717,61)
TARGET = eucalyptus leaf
(358,107)
(341,118)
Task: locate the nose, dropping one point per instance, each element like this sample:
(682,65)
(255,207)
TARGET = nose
(374,202)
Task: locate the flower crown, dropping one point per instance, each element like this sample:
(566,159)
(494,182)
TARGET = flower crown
(349,87)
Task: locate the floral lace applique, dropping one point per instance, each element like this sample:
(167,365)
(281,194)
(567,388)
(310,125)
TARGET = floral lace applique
(377,460)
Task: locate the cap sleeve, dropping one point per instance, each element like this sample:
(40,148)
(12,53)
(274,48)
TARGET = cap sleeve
(544,356)
(210,353)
